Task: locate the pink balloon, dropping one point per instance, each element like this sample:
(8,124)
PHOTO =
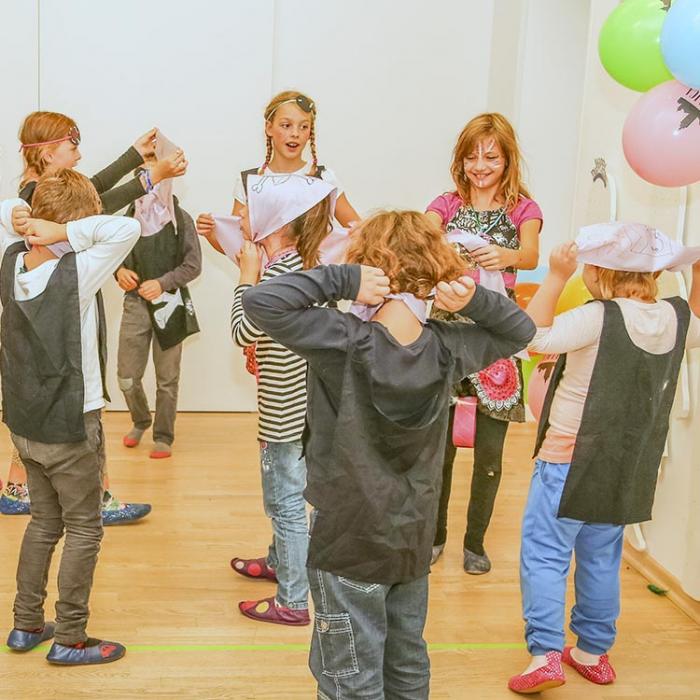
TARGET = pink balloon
(538,384)
(661,136)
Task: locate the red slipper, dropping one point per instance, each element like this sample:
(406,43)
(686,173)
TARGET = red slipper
(543,678)
(254,568)
(602,673)
(267,610)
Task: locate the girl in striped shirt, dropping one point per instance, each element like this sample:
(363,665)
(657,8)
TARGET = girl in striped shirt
(306,206)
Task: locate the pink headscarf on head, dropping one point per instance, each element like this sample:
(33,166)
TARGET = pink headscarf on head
(632,247)
(275,201)
(156,208)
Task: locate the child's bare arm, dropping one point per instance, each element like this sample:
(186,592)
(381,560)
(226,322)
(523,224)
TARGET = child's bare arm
(562,265)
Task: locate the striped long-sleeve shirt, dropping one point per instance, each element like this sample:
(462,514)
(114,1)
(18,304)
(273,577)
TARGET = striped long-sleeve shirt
(282,374)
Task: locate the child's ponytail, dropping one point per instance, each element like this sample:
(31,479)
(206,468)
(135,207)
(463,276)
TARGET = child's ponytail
(309,230)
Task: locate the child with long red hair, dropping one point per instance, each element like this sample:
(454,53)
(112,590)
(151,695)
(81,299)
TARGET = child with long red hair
(491,202)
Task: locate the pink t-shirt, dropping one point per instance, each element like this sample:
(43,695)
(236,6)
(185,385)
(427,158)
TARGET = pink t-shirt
(447,205)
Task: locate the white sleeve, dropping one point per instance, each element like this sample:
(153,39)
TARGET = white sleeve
(239,190)
(101,243)
(329,176)
(8,236)
(570,331)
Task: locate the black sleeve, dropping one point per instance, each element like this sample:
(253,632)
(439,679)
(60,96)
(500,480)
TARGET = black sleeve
(116,198)
(191,266)
(500,329)
(285,307)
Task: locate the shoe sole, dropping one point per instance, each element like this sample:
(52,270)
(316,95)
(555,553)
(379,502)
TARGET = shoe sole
(160,455)
(476,573)
(274,622)
(547,685)
(89,663)
(586,678)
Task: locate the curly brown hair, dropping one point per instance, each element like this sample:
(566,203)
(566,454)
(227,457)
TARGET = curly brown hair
(409,247)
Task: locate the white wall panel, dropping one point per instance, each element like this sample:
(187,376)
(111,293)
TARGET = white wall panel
(199,71)
(394,83)
(18,58)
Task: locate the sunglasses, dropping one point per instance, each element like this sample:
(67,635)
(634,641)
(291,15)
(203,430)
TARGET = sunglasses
(301,101)
(73,136)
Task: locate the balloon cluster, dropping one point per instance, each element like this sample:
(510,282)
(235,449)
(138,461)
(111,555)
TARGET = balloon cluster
(644,45)
(537,370)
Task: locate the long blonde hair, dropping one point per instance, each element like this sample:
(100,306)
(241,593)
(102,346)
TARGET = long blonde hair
(309,230)
(409,247)
(269,114)
(38,127)
(495,126)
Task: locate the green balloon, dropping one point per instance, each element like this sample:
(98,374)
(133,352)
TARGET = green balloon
(528,367)
(630,44)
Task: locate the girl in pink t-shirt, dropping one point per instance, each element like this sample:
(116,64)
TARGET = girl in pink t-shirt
(492,202)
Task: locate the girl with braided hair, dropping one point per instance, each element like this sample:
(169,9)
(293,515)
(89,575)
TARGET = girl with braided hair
(290,124)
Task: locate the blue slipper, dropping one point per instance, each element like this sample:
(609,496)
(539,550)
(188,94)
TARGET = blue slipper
(10,505)
(125,513)
(19,640)
(95,651)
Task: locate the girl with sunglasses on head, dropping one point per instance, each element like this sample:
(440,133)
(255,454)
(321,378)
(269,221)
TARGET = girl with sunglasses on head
(49,142)
(491,202)
(290,124)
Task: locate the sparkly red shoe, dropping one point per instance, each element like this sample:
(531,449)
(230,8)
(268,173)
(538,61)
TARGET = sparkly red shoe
(254,568)
(602,673)
(267,610)
(544,678)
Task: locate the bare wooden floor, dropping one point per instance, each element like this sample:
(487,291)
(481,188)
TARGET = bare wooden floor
(164,588)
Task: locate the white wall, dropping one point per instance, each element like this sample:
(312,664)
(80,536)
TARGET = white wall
(393,87)
(673,537)
(538,59)
(18,58)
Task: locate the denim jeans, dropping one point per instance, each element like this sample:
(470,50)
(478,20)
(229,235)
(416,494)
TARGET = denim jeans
(368,639)
(65,481)
(547,545)
(283,481)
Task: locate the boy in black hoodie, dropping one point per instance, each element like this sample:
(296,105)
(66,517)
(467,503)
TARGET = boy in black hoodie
(378,394)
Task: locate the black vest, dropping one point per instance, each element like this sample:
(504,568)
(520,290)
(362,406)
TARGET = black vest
(26,193)
(151,258)
(41,355)
(614,468)
(245,174)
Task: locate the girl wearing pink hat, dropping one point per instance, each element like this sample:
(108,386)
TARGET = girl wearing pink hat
(601,437)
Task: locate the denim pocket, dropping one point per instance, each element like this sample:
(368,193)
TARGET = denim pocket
(359,585)
(337,644)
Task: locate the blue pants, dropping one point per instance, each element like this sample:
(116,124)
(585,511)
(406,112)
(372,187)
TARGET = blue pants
(283,480)
(545,557)
(368,639)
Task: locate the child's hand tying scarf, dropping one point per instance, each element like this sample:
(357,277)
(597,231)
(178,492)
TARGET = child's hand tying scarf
(454,296)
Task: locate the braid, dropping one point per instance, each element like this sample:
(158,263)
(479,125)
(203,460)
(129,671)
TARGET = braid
(312,145)
(268,155)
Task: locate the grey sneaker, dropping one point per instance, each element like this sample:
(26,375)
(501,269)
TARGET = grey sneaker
(475,564)
(437,553)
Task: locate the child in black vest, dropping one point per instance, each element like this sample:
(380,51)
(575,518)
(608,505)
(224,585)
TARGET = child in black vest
(601,437)
(53,394)
(158,308)
(49,142)
(377,419)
